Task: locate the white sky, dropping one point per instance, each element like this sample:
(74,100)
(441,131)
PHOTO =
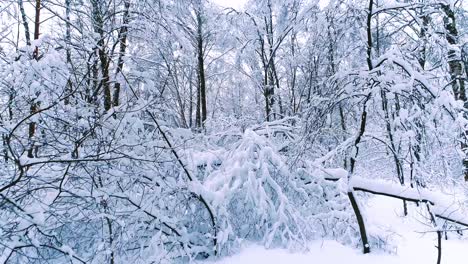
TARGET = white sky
(238,4)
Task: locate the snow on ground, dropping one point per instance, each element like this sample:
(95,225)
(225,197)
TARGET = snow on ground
(412,243)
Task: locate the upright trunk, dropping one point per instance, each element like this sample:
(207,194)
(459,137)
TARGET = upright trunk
(27,35)
(377,31)
(464,55)
(456,73)
(105,75)
(396,159)
(362,129)
(102,54)
(388,116)
(422,36)
(273,80)
(201,67)
(268,91)
(95,82)
(34,104)
(37,23)
(68,43)
(270,78)
(123,46)
(11,94)
(271,94)
(331,58)
(293,100)
(190,100)
(198,122)
(415,147)
(454,59)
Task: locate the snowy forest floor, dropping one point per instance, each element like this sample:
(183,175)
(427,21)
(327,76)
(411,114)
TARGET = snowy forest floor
(409,235)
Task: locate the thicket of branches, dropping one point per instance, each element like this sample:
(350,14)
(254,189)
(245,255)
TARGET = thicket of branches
(164,131)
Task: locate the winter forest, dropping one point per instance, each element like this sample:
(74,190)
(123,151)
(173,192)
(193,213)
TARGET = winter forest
(203,131)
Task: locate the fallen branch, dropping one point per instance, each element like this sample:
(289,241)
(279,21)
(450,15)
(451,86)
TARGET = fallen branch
(441,206)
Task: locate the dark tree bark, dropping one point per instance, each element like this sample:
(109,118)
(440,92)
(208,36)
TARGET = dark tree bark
(439,247)
(333,69)
(272,80)
(465,58)
(190,100)
(69,87)
(123,46)
(37,23)
(201,66)
(394,150)
(362,129)
(361,223)
(454,61)
(267,51)
(198,122)
(294,101)
(27,35)
(34,104)
(423,37)
(98,22)
(456,73)
(415,148)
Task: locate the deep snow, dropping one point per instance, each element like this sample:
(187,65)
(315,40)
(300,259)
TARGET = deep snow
(412,243)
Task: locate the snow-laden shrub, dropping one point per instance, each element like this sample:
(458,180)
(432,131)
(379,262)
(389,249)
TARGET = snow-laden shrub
(258,196)
(331,214)
(253,196)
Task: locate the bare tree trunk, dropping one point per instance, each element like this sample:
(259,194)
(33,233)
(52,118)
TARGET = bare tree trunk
(361,223)
(37,23)
(95,80)
(293,101)
(456,73)
(123,45)
(102,54)
(362,129)
(190,100)
(454,60)
(105,76)
(415,148)
(396,159)
(422,36)
(27,35)
(201,66)
(267,93)
(68,43)
(276,81)
(464,55)
(34,103)
(439,247)
(270,63)
(198,122)
(331,58)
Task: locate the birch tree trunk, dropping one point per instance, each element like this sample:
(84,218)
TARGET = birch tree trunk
(457,80)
